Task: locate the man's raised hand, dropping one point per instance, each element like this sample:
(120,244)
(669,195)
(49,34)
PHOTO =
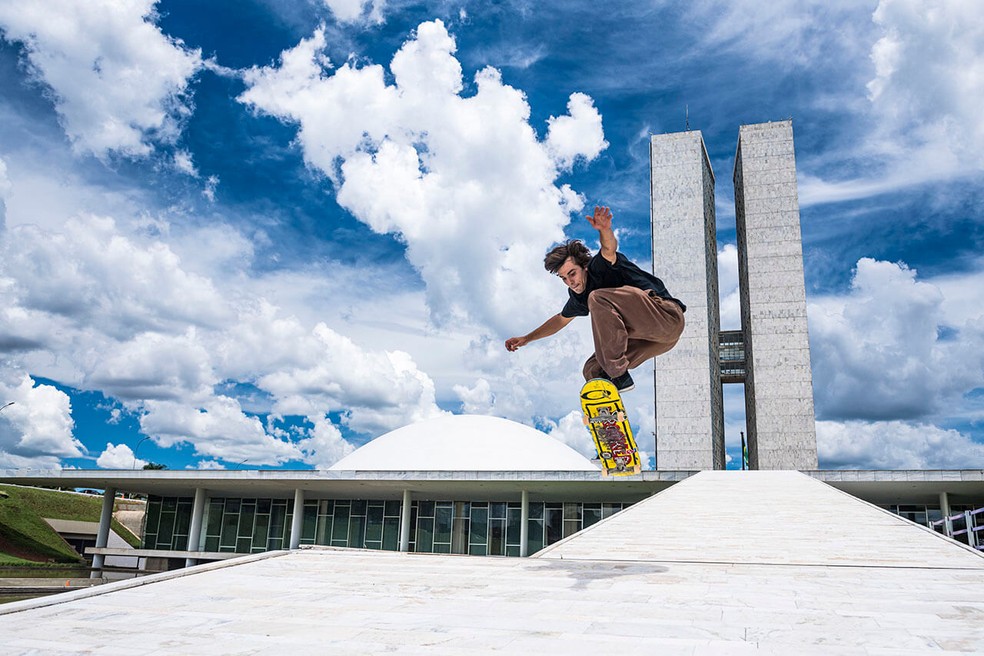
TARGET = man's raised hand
(601,219)
(514,343)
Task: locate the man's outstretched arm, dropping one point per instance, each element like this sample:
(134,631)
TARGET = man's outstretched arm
(551,326)
(601,221)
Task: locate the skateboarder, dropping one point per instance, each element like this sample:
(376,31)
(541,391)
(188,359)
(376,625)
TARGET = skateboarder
(633,317)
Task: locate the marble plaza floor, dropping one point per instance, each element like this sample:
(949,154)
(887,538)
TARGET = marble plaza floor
(720,563)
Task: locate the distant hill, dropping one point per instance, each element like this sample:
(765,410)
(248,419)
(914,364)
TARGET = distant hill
(24,535)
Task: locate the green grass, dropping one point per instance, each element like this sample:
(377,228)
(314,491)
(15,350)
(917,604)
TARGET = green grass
(25,535)
(10,561)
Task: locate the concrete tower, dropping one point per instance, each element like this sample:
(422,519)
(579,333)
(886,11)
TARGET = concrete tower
(771,354)
(779,412)
(689,407)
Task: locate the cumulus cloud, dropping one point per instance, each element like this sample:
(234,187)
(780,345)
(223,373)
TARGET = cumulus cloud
(118,83)
(929,82)
(577,135)
(888,350)
(128,318)
(895,445)
(476,400)
(379,391)
(90,273)
(570,430)
(218,428)
(325,446)
(119,456)
(463,181)
(36,430)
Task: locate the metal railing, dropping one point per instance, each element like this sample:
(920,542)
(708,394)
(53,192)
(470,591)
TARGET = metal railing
(966,527)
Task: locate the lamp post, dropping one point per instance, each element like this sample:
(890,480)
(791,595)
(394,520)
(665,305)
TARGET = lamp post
(137,448)
(5,405)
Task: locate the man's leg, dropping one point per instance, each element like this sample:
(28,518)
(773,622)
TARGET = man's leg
(630,327)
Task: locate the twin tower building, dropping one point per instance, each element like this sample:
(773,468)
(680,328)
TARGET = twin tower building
(771,352)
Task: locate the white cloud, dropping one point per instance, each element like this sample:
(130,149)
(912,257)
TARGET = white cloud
(36,430)
(184,163)
(380,391)
(325,445)
(730,303)
(119,456)
(929,82)
(895,445)
(578,135)
(571,431)
(924,91)
(155,366)
(4,190)
(126,316)
(788,33)
(118,83)
(351,11)
(888,350)
(476,400)
(4,180)
(209,464)
(462,180)
(211,184)
(217,428)
(90,274)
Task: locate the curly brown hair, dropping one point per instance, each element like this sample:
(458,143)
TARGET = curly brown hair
(573,248)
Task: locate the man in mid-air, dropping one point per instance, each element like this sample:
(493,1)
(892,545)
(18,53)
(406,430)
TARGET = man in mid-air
(633,317)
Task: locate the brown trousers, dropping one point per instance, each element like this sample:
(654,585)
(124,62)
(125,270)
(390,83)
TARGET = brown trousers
(630,326)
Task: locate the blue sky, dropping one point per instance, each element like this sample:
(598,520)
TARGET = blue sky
(259,234)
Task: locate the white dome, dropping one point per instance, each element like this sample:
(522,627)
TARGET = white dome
(465,443)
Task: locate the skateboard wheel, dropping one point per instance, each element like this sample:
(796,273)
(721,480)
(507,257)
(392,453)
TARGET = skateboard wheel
(606,455)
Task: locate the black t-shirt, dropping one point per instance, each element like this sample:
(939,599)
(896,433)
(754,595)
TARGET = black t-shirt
(602,274)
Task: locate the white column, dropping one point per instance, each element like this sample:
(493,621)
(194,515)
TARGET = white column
(405,522)
(297,522)
(945,510)
(524,525)
(195,530)
(102,537)
(945,504)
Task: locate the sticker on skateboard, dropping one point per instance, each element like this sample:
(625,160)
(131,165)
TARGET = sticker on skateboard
(604,416)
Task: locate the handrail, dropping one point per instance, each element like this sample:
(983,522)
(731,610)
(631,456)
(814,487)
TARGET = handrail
(970,529)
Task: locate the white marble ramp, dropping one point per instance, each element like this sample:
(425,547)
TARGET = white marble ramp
(766,518)
(697,576)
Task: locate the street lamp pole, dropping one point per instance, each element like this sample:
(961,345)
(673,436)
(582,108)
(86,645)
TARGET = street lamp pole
(5,405)
(137,448)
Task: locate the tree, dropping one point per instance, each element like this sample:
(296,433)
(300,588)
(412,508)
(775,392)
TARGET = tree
(154,465)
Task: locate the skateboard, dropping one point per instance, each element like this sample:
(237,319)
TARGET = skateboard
(604,416)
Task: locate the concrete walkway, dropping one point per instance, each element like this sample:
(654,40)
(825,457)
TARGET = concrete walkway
(721,563)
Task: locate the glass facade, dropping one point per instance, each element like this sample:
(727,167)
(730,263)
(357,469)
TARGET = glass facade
(481,528)
(732,355)
(919,514)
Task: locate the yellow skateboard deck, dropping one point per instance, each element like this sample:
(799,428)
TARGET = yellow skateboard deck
(604,417)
